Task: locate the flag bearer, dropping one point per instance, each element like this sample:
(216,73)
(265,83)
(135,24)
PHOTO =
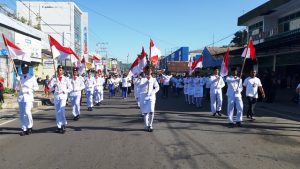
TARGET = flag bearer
(77,85)
(90,84)
(199,82)
(252,85)
(148,89)
(25,85)
(234,96)
(216,84)
(61,86)
(98,92)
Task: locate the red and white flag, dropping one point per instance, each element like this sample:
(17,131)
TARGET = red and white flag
(135,68)
(80,65)
(225,64)
(60,52)
(155,53)
(15,51)
(249,52)
(197,64)
(190,65)
(143,60)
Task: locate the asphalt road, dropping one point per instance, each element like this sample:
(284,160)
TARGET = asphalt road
(112,136)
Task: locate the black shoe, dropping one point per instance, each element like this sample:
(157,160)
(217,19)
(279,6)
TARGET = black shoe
(58,130)
(63,129)
(76,118)
(239,124)
(22,133)
(214,114)
(251,118)
(230,125)
(219,114)
(29,131)
(150,129)
(248,117)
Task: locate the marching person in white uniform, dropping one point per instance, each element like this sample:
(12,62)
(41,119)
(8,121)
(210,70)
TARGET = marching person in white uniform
(191,90)
(148,89)
(25,85)
(90,84)
(216,84)
(234,90)
(136,89)
(199,82)
(61,86)
(252,85)
(77,85)
(185,88)
(98,92)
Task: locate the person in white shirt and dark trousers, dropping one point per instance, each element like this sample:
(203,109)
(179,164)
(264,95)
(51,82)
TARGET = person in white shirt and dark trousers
(25,85)
(234,89)
(252,85)
(166,83)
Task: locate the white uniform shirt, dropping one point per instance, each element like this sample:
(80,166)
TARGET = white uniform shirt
(216,83)
(166,79)
(26,86)
(148,87)
(207,85)
(179,83)
(235,86)
(90,83)
(60,88)
(125,82)
(99,83)
(199,82)
(190,86)
(76,86)
(252,85)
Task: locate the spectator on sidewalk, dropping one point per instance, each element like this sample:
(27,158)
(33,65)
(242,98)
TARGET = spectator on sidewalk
(252,85)
(1,92)
(46,86)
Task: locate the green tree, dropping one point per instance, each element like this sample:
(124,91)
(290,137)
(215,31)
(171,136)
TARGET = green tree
(240,38)
(23,20)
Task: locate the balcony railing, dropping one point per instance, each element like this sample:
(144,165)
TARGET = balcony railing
(272,34)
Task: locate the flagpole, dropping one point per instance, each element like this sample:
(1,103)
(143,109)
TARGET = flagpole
(243,66)
(52,58)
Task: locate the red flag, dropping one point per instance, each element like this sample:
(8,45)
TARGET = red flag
(135,68)
(249,52)
(15,51)
(225,64)
(60,52)
(197,64)
(155,53)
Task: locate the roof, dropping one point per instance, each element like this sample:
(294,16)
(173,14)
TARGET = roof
(261,10)
(215,51)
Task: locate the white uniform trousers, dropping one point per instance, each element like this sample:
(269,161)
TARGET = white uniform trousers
(216,101)
(60,110)
(89,99)
(98,96)
(26,120)
(75,100)
(148,119)
(238,102)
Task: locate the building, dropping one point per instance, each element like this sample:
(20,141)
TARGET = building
(24,36)
(180,55)
(62,20)
(275,29)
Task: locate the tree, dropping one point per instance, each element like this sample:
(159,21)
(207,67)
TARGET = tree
(240,38)
(23,20)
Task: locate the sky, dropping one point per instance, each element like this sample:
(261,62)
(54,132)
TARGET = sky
(127,25)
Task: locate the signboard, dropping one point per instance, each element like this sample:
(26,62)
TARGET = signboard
(48,64)
(30,46)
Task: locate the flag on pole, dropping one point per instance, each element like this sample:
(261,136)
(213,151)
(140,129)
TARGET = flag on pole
(60,52)
(15,51)
(197,63)
(225,64)
(135,68)
(190,64)
(155,53)
(249,52)
(143,60)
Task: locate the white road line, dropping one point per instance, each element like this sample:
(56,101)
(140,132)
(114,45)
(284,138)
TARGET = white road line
(7,122)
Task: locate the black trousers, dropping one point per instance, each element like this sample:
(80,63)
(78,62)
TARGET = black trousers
(1,97)
(166,90)
(251,105)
